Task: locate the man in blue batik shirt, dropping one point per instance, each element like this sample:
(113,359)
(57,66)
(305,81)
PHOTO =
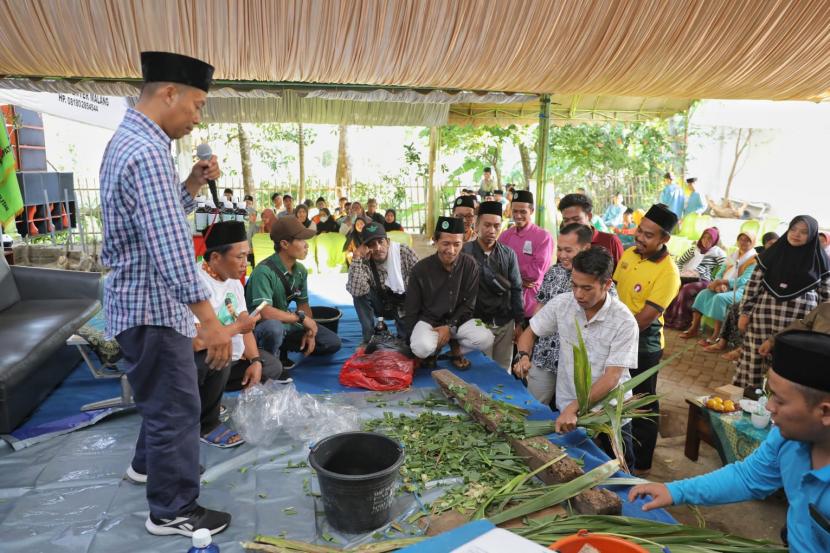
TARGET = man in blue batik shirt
(795,456)
(153,289)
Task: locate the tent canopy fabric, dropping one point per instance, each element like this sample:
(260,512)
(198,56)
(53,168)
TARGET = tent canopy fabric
(634,48)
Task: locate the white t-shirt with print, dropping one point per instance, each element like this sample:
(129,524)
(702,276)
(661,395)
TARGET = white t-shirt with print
(228,301)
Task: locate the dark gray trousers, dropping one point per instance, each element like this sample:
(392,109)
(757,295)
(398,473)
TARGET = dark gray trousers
(163,376)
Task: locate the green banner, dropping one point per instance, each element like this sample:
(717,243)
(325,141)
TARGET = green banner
(11,202)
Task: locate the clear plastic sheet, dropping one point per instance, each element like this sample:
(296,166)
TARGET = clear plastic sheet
(263,411)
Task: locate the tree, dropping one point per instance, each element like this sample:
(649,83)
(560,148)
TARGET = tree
(481,145)
(742,142)
(301,158)
(343,174)
(272,148)
(245,158)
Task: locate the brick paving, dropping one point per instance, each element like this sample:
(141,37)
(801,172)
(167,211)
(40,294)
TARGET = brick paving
(693,373)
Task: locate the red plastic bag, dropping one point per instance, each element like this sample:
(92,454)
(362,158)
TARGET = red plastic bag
(381,371)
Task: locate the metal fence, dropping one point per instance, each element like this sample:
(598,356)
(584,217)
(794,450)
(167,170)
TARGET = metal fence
(638,191)
(411,215)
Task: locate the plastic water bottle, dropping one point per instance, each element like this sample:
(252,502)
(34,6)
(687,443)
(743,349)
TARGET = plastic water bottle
(202,542)
(380,326)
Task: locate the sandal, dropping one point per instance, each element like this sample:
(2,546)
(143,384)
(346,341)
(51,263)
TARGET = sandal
(732,355)
(221,437)
(687,334)
(715,348)
(705,342)
(429,362)
(459,362)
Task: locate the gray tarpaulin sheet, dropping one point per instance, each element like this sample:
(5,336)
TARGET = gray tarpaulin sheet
(69,495)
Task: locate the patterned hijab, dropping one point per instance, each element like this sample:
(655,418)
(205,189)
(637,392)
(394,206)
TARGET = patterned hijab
(792,271)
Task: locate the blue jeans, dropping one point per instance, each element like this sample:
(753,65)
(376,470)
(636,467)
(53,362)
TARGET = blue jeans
(276,337)
(369,307)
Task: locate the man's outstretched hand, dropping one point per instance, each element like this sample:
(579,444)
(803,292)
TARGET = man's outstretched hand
(659,493)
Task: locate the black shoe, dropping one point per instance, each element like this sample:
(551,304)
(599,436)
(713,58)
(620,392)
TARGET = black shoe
(287,363)
(185,525)
(138,478)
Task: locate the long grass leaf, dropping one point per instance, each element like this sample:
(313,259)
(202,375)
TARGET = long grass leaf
(561,493)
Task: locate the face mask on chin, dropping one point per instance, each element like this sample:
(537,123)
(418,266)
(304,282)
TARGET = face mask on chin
(323,218)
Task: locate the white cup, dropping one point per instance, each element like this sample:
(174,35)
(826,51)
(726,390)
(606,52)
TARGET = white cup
(760,421)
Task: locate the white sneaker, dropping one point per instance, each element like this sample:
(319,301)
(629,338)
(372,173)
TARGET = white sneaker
(135,477)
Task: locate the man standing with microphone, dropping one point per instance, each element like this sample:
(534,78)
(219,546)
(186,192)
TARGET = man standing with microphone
(153,289)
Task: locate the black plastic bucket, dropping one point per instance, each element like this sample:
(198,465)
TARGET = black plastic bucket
(357,472)
(329,317)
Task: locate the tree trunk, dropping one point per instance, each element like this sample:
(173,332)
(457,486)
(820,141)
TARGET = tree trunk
(495,163)
(740,148)
(527,170)
(343,176)
(301,160)
(245,158)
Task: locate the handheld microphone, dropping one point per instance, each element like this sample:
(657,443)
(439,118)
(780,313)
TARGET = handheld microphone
(204,153)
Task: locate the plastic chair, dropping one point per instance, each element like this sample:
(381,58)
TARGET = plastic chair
(263,246)
(753,226)
(400,237)
(770,224)
(310,261)
(688,227)
(678,245)
(330,255)
(703,222)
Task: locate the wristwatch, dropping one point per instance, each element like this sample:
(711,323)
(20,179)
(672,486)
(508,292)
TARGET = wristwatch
(519,355)
(300,316)
(256,360)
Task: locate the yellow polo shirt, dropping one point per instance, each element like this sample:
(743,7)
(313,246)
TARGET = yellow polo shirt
(645,281)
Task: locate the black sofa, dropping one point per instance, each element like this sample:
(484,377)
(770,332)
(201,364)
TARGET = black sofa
(39,310)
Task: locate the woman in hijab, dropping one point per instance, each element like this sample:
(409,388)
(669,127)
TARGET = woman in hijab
(792,277)
(390,222)
(696,266)
(301,213)
(327,222)
(726,289)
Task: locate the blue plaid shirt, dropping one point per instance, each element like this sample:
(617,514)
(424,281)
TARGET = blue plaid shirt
(147,240)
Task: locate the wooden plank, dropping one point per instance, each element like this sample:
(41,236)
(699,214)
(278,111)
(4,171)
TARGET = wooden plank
(536,451)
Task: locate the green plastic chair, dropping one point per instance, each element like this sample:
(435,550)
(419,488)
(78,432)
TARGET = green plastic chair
(678,245)
(703,222)
(400,237)
(330,255)
(753,226)
(688,227)
(263,246)
(310,261)
(770,224)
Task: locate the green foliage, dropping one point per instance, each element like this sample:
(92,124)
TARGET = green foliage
(277,144)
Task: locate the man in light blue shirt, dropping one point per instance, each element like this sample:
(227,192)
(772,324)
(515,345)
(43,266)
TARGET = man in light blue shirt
(696,202)
(614,213)
(673,196)
(795,456)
